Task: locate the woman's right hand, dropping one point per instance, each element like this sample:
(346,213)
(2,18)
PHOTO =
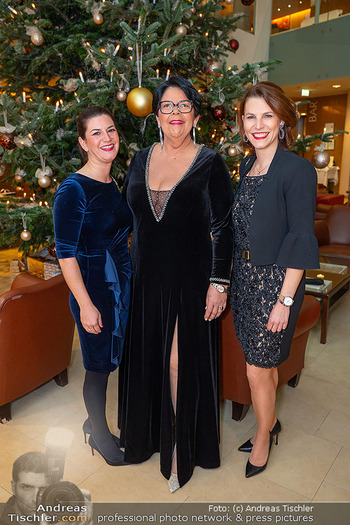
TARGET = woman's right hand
(91,319)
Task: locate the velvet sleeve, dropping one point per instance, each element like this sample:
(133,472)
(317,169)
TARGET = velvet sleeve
(221,199)
(299,248)
(68,215)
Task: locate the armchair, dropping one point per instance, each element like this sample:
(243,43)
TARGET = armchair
(234,382)
(36,336)
(333,233)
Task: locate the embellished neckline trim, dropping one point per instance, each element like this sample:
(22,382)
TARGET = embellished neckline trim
(171,191)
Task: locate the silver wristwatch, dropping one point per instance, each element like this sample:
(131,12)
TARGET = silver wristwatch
(285,300)
(219,287)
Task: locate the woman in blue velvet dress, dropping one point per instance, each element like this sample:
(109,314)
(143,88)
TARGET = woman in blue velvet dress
(92,222)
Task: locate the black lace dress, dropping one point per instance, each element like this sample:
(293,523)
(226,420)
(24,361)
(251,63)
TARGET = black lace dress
(254,288)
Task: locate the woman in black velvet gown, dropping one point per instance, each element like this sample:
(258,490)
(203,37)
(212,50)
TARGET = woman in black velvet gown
(180,194)
(92,222)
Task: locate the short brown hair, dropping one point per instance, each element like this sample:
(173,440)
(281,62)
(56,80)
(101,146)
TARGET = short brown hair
(84,117)
(279,102)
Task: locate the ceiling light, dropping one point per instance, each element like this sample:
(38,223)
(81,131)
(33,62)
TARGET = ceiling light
(305,92)
(336,86)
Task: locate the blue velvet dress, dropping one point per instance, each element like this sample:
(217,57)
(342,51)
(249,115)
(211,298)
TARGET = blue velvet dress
(92,222)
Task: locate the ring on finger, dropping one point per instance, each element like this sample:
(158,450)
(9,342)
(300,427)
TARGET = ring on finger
(220,307)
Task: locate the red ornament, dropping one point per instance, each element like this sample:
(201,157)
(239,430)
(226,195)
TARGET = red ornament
(6,141)
(219,113)
(234,44)
(247,2)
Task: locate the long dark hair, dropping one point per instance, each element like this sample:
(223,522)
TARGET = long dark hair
(179,82)
(82,122)
(279,102)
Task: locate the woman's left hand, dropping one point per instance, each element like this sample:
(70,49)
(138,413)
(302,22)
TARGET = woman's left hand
(279,317)
(215,304)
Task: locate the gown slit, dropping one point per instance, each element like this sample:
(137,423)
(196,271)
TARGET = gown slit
(174,257)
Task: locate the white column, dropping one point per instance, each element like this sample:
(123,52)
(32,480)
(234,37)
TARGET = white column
(344,183)
(254,47)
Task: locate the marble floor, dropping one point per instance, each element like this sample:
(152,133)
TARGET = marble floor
(311,462)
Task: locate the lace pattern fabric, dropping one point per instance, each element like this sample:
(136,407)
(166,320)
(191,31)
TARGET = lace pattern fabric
(254,288)
(159,198)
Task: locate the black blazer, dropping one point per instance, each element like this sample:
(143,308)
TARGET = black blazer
(282,223)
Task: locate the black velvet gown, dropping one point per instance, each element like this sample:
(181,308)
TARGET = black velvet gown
(173,259)
(92,222)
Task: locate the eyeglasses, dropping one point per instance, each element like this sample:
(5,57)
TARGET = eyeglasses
(167,106)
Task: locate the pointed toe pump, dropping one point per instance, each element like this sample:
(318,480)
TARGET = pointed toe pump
(118,456)
(87,429)
(248,445)
(253,470)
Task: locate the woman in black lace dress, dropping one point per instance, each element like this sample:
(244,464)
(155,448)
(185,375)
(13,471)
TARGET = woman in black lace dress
(273,217)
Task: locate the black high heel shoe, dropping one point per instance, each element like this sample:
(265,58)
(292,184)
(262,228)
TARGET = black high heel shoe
(87,429)
(253,470)
(115,462)
(248,445)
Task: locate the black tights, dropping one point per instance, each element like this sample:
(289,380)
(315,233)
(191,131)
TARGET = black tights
(94,392)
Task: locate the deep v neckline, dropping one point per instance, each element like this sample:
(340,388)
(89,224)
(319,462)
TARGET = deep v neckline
(159,218)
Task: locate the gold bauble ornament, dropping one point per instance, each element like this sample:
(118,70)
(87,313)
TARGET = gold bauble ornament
(26,235)
(37,38)
(18,178)
(139,102)
(181,30)
(98,18)
(121,95)
(44,181)
(232,151)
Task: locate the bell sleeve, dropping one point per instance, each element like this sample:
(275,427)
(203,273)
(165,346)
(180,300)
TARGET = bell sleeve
(68,215)
(299,248)
(221,199)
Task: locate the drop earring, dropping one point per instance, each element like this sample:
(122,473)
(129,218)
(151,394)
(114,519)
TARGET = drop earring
(194,135)
(281,132)
(245,137)
(160,137)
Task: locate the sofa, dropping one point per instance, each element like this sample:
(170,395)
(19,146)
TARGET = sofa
(234,382)
(333,233)
(36,337)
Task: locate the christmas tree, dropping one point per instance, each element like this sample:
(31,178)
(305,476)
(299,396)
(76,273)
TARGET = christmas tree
(59,57)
